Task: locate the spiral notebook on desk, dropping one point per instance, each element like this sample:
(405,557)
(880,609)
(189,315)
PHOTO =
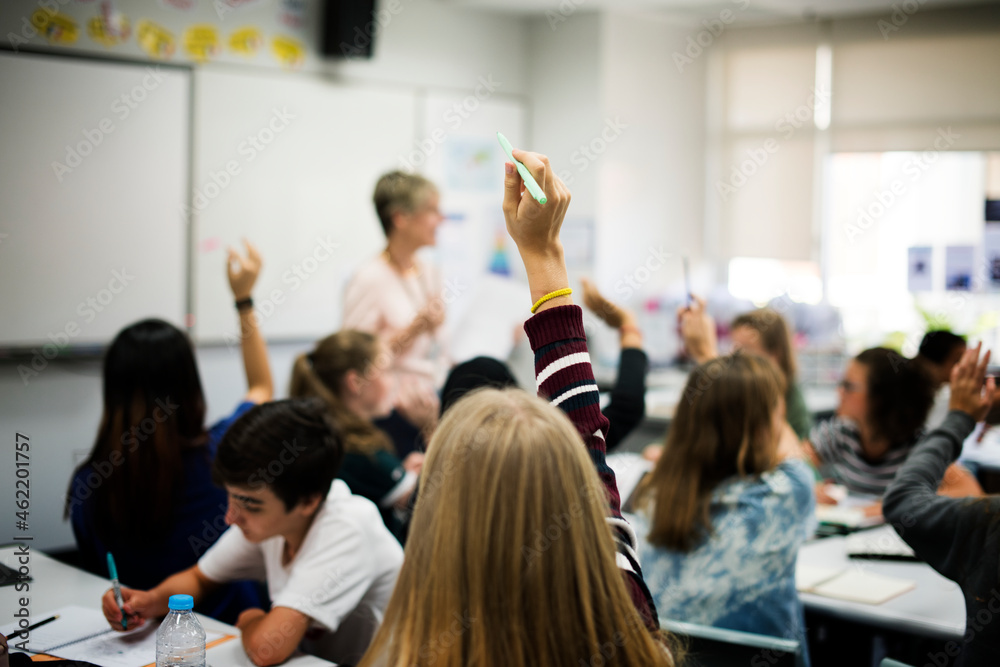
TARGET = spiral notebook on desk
(82,633)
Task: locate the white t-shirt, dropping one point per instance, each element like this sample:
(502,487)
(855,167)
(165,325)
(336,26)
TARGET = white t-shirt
(342,577)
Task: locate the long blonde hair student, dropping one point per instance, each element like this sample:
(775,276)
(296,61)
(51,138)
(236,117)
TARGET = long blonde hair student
(322,373)
(510,560)
(724,426)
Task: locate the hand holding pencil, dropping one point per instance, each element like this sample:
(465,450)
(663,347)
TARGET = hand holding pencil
(136,607)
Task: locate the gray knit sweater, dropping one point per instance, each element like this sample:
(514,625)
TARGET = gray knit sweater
(958,537)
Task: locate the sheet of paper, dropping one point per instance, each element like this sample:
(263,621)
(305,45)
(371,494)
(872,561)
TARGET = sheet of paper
(74,623)
(846,515)
(866,587)
(136,649)
(808,577)
(959,265)
(919,278)
(91,639)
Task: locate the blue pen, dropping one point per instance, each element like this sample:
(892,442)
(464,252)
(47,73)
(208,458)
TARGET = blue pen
(113,571)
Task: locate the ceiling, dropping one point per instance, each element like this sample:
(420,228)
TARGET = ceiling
(746,11)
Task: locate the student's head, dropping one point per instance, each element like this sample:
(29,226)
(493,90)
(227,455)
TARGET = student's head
(277,463)
(939,352)
(764,332)
(474,374)
(727,423)
(407,206)
(345,370)
(886,394)
(509,538)
(153,409)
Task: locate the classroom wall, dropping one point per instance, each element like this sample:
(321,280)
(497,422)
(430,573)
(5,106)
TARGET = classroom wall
(651,178)
(625,129)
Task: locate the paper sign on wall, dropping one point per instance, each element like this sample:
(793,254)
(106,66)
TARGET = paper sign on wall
(155,40)
(959,263)
(919,277)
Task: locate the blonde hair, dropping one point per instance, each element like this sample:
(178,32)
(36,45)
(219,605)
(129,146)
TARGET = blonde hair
(510,560)
(321,373)
(775,337)
(397,192)
(723,427)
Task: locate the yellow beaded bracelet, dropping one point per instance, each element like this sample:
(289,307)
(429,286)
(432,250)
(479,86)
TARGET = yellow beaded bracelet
(566,291)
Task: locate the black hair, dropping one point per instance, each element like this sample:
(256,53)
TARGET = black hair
(154,408)
(293,447)
(900,394)
(936,346)
(473,374)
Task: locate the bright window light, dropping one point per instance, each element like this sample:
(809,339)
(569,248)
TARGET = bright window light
(824,86)
(761,280)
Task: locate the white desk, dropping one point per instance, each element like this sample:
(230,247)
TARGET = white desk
(55,584)
(935,608)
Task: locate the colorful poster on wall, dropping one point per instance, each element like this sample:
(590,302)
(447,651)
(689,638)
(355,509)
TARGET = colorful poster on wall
(201,42)
(246,41)
(179,5)
(155,40)
(56,27)
(959,261)
(289,52)
(110,28)
(293,13)
(991,246)
(472,163)
(919,276)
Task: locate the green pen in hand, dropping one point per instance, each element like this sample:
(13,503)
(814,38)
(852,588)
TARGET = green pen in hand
(113,572)
(529,180)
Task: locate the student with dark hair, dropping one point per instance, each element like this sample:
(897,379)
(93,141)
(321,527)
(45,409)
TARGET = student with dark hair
(329,562)
(145,492)
(958,537)
(939,352)
(884,402)
(474,374)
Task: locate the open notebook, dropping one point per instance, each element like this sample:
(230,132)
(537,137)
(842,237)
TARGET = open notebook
(853,584)
(81,633)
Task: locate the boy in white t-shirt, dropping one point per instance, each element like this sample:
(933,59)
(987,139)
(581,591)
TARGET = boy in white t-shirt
(329,561)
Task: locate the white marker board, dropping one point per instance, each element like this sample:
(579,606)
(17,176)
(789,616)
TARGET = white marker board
(290,163)
(94,170)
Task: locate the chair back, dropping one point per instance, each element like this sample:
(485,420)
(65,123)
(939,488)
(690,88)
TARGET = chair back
(709,646)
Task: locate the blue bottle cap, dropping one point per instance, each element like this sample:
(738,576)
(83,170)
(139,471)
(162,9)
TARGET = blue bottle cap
(180,602)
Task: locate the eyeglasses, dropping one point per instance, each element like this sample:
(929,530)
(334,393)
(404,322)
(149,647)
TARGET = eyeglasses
(848,386)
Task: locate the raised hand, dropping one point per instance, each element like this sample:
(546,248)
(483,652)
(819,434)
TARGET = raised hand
(971,391)
(243,271)
(535,227)
(698,331)
(612,314)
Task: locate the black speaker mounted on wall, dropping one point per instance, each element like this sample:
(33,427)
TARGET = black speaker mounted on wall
(349,28)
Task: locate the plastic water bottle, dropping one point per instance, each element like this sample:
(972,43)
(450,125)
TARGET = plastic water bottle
(180,640)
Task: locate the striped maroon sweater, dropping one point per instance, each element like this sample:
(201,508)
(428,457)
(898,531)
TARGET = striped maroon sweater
(566,379)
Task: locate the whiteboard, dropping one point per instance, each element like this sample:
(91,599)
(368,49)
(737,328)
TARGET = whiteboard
(94,171)
(290,163)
